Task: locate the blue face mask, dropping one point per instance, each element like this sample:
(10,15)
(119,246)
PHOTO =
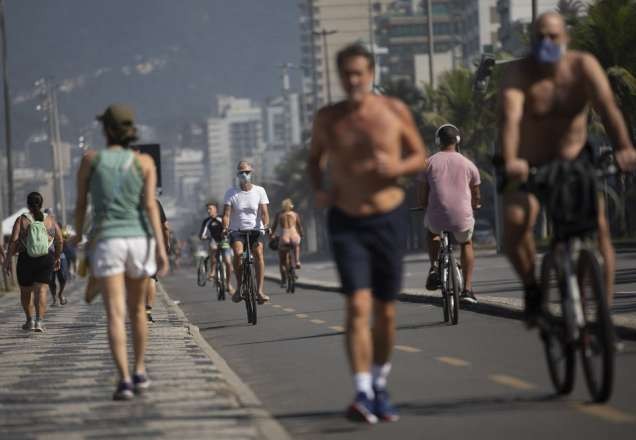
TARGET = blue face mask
(547,52)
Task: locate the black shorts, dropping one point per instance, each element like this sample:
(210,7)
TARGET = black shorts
(34,269)
(255,237)
(369,250)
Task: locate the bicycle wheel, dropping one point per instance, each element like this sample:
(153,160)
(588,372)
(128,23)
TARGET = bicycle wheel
(202,272)
(252,294)
(453,292)
(559,352)
(246,289)
(220,280)
(291,279)
(597,337)
(445,282)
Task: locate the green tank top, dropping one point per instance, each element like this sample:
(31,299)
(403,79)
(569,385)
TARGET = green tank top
(116,188)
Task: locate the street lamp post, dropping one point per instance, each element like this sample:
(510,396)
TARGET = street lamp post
(7,110)
(324,33)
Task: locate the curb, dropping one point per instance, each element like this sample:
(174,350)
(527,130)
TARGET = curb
(266,424)
(511,308)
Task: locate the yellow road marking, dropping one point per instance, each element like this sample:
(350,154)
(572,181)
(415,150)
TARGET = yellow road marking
(407,349)
(317,321)
(337,328)
(289,310)
(605,412)
(301,315)
(455,362)
(510,381)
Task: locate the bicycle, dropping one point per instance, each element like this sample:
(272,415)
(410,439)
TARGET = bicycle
(291,273)
(451,280)
(574,312)
(247,289)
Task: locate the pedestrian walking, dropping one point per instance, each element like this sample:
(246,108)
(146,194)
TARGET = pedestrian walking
(126,238)
(37,240)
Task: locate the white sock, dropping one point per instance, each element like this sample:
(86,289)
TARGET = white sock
(362,383)
(380,375)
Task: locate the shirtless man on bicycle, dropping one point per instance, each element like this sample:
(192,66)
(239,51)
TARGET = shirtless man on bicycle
(544,103)
(368,142)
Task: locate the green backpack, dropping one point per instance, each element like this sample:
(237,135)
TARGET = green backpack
(37,240)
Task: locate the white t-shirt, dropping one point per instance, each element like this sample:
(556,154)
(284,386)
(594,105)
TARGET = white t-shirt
(245,207)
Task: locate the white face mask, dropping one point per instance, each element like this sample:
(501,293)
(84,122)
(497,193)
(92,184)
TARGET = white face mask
(244,177)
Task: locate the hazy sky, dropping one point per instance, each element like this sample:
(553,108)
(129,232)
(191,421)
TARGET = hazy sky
(168,58)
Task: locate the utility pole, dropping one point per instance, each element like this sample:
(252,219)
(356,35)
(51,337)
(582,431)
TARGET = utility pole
(7,111)
(314,69)
(431,46)
(286,104)
(58,150)
(324,33)
(535,7)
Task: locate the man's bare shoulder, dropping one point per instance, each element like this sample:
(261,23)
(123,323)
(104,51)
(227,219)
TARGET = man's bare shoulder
(330,111)
(396,106)
(515,73)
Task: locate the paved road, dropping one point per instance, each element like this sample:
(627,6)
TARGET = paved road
(58,384)
(485,378)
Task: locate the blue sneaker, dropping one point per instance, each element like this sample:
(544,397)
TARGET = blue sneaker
(124,391)
(361,409)
(383,408)
(140,382)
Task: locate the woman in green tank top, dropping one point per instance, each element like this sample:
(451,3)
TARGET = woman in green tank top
(126,238)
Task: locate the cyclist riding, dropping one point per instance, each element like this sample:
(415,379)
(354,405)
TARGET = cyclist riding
(449,191)
(544,102)
(212,230)
(246,208)
(289,241)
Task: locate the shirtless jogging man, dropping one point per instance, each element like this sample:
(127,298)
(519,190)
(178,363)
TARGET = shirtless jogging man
(544,103)
(369,142)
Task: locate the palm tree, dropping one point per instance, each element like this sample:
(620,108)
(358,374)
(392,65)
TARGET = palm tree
(570,10)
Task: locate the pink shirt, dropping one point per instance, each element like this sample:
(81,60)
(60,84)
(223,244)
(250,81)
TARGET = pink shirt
(450,177)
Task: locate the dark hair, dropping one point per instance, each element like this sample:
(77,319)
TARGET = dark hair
(354,50)
(34,203)
(448,135)
(212,203)
(121,134)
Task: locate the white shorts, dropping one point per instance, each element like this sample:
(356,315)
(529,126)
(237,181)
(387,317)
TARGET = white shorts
(134,256)
(461,237)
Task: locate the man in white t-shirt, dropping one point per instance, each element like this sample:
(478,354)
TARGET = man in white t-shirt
(246,208)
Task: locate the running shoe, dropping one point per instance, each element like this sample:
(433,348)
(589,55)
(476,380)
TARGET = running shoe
(124,391)
(149,317)
(433,282)
(383,408)
(468,296)
(362,409)
(140,383)
(29,325)
(38,327)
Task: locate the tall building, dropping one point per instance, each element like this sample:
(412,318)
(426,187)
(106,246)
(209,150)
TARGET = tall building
(235,133)
(478,28)
(343,23)
(219,166)
(282,121)
(403,30)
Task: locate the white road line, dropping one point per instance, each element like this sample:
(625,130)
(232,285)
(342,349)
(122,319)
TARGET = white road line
(317,321)
(301,315)
(288,309)
(337,328)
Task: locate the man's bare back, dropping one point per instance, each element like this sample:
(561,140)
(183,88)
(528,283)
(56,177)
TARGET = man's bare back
(364,145)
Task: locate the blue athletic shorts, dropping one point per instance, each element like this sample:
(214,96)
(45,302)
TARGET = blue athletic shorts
(369,250)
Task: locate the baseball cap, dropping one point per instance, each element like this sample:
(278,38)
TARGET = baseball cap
(117,115)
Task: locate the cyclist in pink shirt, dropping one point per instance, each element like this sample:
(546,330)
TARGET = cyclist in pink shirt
(449,191)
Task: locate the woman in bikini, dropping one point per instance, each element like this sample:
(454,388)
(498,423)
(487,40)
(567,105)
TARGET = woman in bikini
(290,237)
